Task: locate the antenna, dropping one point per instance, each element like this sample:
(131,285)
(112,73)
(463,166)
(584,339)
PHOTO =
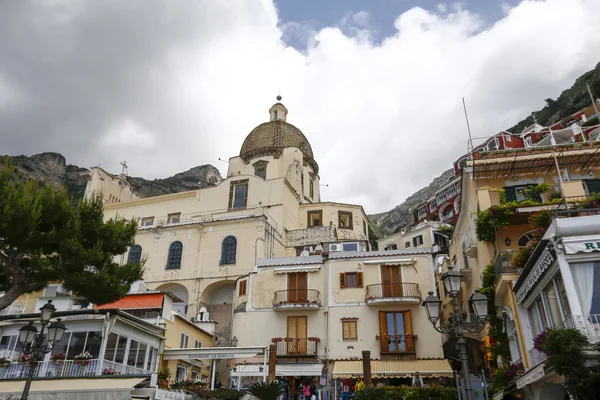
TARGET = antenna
(324,184)
(468,127)
(225,161)
(124,169)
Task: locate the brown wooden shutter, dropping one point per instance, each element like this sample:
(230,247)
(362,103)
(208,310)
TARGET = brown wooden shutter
(353,329)
(383,331)
(230,195)
(342,280)
(345,330)
(246,196)
(359,279)
(408,331)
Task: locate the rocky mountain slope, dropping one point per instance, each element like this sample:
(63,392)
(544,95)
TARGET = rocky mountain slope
(53,168)
(400,216)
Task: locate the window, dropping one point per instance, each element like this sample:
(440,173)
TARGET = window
(350,246)
(406,245)
(238,194)
(466,261)
(242,290)
(197,344)
(421,213)
(181,373)
(520,193)
(174,256)
(148,221)
(528,142)
(135,255)
(349,330)
(184,341)
(173,218)
(228,250)
(260,169)
(315,218)
(525,239)
(418,240)
(311,188)
(392,246)
(133,351)
(351,280)
(344,220)
(396,332)
(196,374)
(592,186)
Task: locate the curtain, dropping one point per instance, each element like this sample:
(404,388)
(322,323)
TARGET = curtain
(583,275)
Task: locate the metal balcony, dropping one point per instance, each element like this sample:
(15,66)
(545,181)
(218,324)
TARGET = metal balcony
(294,347)
(397,344)
(297,299)
(391,293)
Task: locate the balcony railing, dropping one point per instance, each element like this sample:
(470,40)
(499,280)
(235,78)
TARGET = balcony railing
(397,344)
(297,298)
(504,264)
(294,347)
(17,307)
(388,291)
(67,369)
(589,325)
(578,206)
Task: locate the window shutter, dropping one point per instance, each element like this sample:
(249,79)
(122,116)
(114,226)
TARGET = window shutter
(346,330)
(383,331)
(353,330)
(231,186)
(342,280)
(410,343)
(246,196)
(359,279)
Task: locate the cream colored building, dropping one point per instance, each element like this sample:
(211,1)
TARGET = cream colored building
(426,234)
(550,299)
(197,244)
(325,310)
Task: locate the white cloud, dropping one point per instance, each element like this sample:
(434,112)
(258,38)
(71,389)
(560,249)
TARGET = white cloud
(383,118)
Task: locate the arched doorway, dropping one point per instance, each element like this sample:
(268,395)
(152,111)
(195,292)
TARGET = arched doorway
(181,292)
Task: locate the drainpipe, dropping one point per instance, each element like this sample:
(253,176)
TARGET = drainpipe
(517,317)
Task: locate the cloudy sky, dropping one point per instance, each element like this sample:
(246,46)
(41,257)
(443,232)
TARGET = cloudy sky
(375,85)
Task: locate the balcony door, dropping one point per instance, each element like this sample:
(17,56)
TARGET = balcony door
(298,287)
(297,332)
(396,332)
(391,280)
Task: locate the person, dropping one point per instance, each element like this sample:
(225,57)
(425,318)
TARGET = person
(313,390)
(442,381)
(306,390)
(417,380)
(380,383)
(360,385)
(218,384)
(346,390)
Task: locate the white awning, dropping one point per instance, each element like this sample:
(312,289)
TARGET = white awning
(295,269)
(313,369)
(581,244)
(73,389)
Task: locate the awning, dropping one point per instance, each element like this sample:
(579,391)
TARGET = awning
(394,368)
(73,388)
(293,270)
(313,369)
(135,302)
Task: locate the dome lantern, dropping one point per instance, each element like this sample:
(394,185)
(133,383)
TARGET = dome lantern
(278,112)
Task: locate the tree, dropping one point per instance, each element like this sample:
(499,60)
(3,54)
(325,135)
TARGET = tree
(45,238)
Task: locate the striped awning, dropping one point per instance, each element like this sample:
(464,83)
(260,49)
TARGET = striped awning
(394,368)
(296,269)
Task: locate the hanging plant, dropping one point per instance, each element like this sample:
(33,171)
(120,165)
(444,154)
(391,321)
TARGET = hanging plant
(539,342)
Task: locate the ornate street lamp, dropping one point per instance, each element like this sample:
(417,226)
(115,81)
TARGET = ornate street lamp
(32,342)
(458,322)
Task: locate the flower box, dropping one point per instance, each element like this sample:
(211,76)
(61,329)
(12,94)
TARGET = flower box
(109,371)
(25,358)
(276,339)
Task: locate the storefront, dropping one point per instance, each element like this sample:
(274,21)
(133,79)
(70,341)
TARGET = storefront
(292,377)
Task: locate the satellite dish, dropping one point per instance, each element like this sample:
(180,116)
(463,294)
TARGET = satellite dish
(305,253)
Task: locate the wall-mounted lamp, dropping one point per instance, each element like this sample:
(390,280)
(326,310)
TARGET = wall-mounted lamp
(507,241)
(591,173)
(261,369)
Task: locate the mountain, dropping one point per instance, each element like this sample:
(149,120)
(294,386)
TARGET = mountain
(53,168)
(401,216)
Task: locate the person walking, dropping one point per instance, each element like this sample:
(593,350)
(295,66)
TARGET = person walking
(417,380)
(346,389)
(360,385)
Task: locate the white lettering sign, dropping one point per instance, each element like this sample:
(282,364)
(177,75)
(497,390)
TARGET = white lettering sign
(535,275)
(10,396)
(531,377)
(583,246)
(206,356)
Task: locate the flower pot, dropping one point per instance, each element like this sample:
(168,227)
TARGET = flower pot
(163,384)
(5,365)
(82,362)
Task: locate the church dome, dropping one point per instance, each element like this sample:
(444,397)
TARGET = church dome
(270,138)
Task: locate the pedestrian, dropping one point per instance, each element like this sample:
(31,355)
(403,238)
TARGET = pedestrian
(313,390)
(306,390)
(218,384)
(346,390)
(360,385)
(417,380)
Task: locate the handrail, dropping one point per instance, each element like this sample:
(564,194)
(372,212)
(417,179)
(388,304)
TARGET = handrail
(296,347)
(392,290)
(297,297)
(68,369)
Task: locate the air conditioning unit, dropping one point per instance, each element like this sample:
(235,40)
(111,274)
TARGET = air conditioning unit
(335,247)
(305,253)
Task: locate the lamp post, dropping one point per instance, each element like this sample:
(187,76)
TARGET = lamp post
(33,342)
(457,322)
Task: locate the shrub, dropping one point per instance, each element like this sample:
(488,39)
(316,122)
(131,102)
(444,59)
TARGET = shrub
(266,391)
(220,394)
(521,257)
(407,393)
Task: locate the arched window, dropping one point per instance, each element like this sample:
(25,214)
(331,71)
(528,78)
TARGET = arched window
(174,257)
(525,239)
(135,255)
(406,245)
(228,250)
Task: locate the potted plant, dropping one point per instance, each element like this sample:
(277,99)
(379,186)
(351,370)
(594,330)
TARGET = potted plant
(109,371)
(276,339)
(4,362)
(25,358)
(266,391)
(83,358)
(163,378)
(58,357)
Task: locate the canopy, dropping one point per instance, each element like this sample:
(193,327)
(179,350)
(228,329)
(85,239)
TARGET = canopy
(72,388)
(313,369)
(394,368)
(154,300)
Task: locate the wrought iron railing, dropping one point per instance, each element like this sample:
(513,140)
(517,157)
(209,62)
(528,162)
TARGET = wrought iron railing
(578,206)
(392,290)
(297,297)
(397,344)
(504,264)
(295,347)
(67,368)
(589,325)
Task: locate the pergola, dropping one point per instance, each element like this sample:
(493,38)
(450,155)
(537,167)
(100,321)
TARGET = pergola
(219,353)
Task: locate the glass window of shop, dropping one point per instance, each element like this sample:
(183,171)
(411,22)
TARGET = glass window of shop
(586,276)
(550,308)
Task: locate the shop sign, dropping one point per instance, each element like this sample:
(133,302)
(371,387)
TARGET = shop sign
(581,247)
(162,394)
(531,377)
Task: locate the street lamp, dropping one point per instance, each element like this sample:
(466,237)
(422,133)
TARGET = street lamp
(33,343)
(457,322)
(234,342)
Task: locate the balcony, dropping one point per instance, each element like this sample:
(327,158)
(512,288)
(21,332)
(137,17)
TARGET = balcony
(294,347)
(589,325)
(305,299)
(397,344)
(392,293)
(504,264)
(69,369)
(578,206)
